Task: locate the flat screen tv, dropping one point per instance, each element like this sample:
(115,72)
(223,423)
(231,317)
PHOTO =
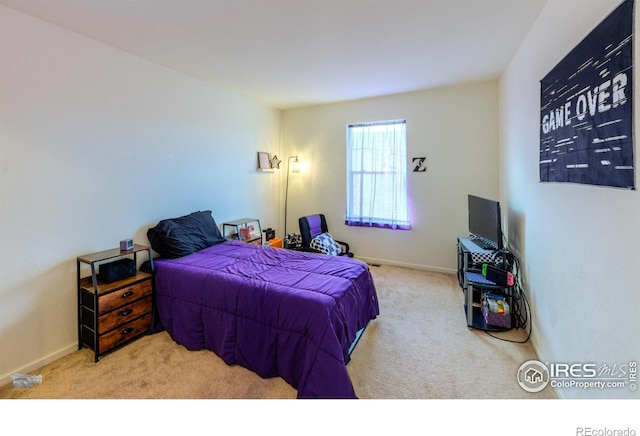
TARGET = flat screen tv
(485,222)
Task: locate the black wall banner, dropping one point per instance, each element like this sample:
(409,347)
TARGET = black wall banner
(586,116)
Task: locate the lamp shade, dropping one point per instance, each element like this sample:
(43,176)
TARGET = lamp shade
(295,166)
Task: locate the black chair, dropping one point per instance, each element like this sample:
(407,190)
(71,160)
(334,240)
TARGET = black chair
(313,225)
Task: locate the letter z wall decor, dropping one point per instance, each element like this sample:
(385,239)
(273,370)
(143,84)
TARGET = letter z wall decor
(586,110)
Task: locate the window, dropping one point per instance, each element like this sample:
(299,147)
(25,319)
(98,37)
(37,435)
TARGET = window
(377,175)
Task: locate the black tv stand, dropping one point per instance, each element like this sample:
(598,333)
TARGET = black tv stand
(476,288)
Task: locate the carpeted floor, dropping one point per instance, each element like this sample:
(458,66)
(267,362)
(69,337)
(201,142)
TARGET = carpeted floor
(418,348)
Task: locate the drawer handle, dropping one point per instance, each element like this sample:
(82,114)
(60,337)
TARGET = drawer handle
(126,331)
(127,294)
(126,312)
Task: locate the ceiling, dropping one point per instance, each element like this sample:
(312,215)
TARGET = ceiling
(293,53)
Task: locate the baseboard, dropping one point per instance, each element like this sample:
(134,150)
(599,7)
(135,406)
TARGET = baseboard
(374,261)
(6,378)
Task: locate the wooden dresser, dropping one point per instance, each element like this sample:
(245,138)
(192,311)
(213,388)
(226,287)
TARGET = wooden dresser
(112,314)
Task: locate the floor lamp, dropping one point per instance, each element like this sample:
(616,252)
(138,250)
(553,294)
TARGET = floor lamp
(295,169)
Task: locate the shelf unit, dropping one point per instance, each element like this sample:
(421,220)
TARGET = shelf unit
(476,291)
(243,229)
(475,286)
(112,314)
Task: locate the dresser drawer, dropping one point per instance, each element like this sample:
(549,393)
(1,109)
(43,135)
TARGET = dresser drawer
(124,314)
(124,296)
(124,333)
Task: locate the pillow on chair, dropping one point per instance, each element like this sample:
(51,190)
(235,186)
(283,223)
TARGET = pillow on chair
(325,243)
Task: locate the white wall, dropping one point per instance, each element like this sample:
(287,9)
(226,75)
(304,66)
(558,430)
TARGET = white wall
(97,145)
(579,245)
(455,128)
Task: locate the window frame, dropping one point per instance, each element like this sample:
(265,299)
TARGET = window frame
(393,172)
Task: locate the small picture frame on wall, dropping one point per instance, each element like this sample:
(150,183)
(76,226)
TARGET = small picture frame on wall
(264,163)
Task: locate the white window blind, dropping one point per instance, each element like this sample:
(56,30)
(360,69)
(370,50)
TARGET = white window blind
(377,175)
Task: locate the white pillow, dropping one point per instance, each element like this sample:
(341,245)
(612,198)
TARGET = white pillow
(325,243)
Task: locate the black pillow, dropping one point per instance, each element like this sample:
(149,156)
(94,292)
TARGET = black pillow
(178,237)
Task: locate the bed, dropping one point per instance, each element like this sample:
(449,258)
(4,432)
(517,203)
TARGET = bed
(274,311)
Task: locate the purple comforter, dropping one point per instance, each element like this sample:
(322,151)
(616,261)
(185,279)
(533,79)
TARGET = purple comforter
(276,312)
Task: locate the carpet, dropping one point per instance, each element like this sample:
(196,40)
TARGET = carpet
(418,348)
